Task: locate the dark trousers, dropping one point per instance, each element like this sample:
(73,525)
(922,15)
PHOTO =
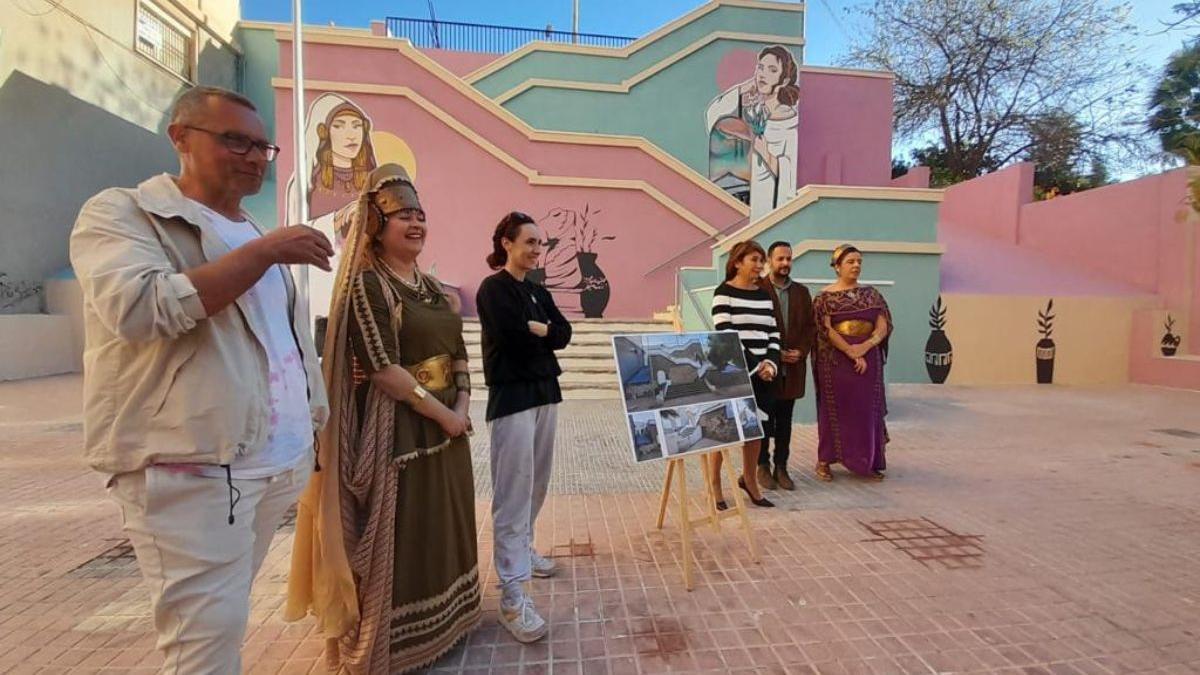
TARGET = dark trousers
(781,432)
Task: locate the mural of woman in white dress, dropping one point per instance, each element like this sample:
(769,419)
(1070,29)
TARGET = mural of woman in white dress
(753,133)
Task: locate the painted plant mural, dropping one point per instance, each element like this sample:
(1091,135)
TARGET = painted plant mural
(1170,341)
(1045,349)
(569,264)
(939,354)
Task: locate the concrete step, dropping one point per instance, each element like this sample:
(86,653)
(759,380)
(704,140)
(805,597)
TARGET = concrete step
(572,377)
(597,351)
(577,339)
(569,365)
(569,394)
(589,371)
(471,326)
(37,345)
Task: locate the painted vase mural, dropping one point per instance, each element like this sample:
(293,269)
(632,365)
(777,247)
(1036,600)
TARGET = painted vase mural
(1045,346)
(594,290)
(1170,341)
(939,354)
(570,269)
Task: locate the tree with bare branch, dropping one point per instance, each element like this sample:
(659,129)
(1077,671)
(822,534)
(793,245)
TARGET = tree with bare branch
(988,80)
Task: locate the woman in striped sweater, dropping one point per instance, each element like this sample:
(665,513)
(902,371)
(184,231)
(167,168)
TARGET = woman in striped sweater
(741,304)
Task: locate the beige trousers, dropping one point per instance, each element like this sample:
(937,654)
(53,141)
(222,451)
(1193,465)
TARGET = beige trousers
(197,565)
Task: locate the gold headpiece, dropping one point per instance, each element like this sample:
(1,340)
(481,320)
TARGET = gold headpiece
(839,252)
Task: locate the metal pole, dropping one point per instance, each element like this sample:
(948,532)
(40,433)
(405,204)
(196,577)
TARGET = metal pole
(300,167)
(575,22)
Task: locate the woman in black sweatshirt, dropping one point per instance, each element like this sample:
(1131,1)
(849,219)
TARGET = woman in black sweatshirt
(522,328)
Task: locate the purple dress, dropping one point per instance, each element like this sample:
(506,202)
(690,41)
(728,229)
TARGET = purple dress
(850,407)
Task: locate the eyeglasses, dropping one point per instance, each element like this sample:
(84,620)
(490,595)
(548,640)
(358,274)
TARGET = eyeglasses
(241,145)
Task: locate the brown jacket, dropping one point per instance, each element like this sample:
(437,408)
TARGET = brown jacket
(796,331)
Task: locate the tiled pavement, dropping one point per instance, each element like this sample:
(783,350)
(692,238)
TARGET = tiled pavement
(1023,530)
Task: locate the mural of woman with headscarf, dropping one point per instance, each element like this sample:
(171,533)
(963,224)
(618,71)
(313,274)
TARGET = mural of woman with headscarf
(753,133)
(341,156)
(338,137)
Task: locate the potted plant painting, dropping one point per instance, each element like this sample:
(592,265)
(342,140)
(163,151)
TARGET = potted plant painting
(1170,341)
(939,354)
(571,256)
(1045,346)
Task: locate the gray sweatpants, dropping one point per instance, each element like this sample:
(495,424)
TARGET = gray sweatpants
(522,454)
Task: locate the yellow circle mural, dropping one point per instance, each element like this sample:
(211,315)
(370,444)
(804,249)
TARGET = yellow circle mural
(391,149)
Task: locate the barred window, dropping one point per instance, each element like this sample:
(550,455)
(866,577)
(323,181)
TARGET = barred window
(163,40)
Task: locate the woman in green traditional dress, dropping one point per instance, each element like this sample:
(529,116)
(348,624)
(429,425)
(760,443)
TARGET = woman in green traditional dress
(385,551)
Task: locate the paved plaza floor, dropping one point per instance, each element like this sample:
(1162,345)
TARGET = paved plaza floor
(1023,530)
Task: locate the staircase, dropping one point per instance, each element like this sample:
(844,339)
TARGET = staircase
(589,370)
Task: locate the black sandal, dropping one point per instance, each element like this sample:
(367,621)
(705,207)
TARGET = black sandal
(761,501)
(721,505)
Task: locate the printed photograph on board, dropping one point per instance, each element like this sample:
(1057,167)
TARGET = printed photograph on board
(699,427)
(647,436)
(679,369)
(748,421)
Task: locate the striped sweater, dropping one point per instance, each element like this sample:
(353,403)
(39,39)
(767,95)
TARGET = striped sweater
(752,315)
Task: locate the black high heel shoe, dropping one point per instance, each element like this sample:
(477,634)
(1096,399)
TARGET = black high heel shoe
(761,501)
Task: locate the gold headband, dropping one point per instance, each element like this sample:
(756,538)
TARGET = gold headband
(839,252)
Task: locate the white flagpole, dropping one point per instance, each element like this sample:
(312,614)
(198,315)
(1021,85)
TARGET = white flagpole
(301,156)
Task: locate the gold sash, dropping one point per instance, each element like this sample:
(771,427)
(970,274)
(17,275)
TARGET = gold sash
(434,373)
(854,328)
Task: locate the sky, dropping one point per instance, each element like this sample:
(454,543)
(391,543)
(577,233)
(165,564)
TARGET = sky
(828,21)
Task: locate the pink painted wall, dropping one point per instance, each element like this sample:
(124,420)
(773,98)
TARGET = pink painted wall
(459,63)
(1137,237)
(979,264)
(1138,232)
(917,177)
(845,129)
(988,205)
(385,67)
(466,189)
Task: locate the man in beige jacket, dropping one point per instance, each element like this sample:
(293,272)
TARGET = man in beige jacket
(201,386)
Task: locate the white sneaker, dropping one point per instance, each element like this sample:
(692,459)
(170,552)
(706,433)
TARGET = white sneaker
(542,567)
(522,620)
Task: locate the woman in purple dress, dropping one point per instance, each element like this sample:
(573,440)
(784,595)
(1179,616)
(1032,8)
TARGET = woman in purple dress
(853,324)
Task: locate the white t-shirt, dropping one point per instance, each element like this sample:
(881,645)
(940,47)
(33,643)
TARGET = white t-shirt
(291,431)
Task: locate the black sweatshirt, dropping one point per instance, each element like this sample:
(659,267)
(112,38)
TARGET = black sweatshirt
(519,367)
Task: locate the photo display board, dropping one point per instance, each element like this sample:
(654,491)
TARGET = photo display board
(685,393)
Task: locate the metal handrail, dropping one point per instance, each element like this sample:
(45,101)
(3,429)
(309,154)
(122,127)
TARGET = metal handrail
(488,38)
(706,318)
(702,242)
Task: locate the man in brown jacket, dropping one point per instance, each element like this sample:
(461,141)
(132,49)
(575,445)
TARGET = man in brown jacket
(797,328)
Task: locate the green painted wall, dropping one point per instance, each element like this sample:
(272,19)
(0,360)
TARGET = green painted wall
(666,109)
(261,65)
(589,68)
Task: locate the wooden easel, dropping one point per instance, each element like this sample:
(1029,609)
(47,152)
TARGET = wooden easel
(677,468)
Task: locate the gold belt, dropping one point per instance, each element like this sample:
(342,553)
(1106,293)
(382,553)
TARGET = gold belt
(435,373)
(855,328)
